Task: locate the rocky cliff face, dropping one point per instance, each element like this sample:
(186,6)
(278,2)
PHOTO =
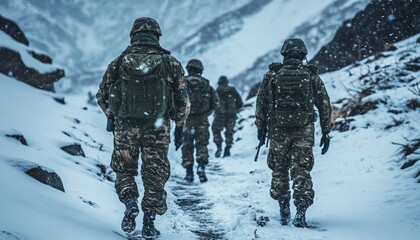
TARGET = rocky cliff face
(13,64)
(372,30)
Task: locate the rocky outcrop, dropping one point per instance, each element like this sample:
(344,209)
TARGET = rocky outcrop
(40,173)
(46,177)
(11,63)
(372,30)
(13,30)
(74,149)
(18,137)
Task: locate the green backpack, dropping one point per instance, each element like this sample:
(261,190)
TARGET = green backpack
(227,96)
(291,97)
(199,94)
(141,90)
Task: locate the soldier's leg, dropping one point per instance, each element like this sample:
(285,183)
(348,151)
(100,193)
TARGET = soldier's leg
(202,154)
(155,169)
(279,163)
(125,164)
(229,125)
(188,147)
(201,141)
(216,129)
(302,164)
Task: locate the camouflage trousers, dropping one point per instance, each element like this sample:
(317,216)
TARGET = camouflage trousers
(221,121)
(196,135)
(291,151)
(152,143)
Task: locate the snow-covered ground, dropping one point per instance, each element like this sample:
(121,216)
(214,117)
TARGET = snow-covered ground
(361,192)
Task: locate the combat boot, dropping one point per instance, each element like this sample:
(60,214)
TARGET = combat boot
(190,174)
(227,152)
(128,223)
(284,213)
(219,150)
(300,220)
(149,231)
(201,172)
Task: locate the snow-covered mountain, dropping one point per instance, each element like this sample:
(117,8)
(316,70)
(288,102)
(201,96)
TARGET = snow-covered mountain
(315,32)
(84,36)
(236,38)
(361,190)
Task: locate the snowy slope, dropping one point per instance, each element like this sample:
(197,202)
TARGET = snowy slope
(360,190)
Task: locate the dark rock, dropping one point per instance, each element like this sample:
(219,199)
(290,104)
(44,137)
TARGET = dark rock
(74,149)
(13,30)
(413,104)
(41,57)
(412,67)
(11,64)
(409,163)
(343,125)
(102,168)
(362,109)
(370,32)
(262,221)
(60,100)
(18,137)
(46,177)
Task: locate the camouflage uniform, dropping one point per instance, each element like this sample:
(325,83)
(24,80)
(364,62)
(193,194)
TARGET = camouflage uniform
(197,130)
(225,114)
(291,148)
(133,136)
(204,101)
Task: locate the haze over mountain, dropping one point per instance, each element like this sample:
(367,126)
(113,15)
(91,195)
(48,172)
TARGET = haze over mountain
(237,38)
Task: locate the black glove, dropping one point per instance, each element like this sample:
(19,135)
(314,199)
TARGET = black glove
(110,124)
(261,135)
(179,137)
(325,140)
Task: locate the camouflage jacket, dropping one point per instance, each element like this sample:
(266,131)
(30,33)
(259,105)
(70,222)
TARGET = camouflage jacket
(230,99)
(180,104)
(321,98)
(214,98)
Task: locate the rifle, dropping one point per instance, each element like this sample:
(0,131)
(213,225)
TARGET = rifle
(261,143)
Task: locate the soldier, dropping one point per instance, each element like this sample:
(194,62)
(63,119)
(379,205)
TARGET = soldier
(225,115)
(141,90)
(285,108)
(203,102)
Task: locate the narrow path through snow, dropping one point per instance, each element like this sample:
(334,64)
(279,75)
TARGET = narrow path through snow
(193,201)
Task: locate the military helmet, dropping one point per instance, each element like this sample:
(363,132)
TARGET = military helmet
(145,24)
(293,45)
(195,63)
(223,80)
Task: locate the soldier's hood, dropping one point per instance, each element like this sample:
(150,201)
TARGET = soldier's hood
(292,61)
(224,88)
(195,79)
(146,42)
